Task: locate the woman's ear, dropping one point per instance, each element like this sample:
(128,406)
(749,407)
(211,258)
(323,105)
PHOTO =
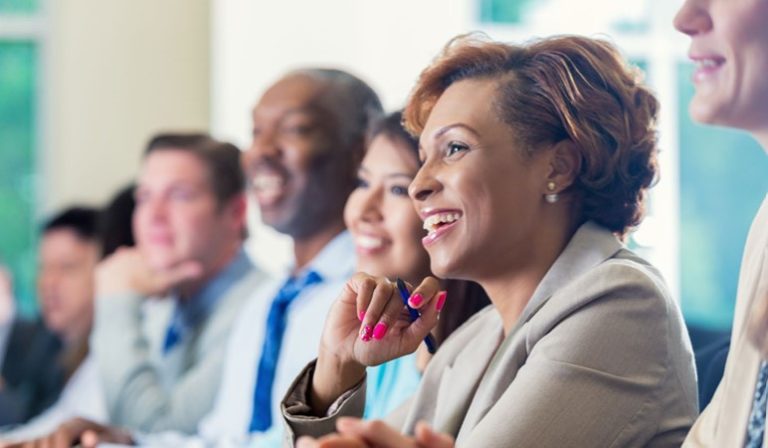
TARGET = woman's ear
(564,166)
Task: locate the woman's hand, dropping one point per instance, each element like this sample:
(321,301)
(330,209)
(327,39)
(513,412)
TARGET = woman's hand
(369,325)
(355,433)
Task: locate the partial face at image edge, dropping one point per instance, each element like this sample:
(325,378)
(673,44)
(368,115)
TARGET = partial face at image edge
(729,45)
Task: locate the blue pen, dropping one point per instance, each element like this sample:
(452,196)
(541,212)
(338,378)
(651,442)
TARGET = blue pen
(404,294)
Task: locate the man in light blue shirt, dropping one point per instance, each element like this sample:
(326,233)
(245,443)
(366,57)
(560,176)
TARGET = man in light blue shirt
(308,139)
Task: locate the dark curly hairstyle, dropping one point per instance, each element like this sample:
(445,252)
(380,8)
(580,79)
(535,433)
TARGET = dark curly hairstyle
(558,88)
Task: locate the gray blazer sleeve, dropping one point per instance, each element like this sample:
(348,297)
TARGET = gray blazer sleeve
(297,412)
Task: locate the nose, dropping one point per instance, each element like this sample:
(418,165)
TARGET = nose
(151,210)
(371,205)
(264,144)
(425,184)
(47,281)
(693,18)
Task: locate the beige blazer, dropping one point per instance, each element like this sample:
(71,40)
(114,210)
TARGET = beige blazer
(724,422)
(599,358)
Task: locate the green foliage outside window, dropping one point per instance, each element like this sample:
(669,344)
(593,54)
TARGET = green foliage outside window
(503,11)
(19,6)
(18,228)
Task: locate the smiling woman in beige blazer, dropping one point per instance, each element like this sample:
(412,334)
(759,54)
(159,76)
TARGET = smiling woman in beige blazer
(729,43)
(535,161)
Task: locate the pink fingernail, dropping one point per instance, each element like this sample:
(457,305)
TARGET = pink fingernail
(365,333)
(380,330)
(361,315)
(441,300)
(416,300)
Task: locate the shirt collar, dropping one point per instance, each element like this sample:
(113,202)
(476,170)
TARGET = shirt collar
(336,260)
(195,309)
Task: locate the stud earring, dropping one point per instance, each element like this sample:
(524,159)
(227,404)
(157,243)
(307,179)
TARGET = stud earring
(551,197)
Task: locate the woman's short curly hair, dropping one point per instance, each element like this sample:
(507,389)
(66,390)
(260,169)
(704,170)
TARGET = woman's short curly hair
(558,88)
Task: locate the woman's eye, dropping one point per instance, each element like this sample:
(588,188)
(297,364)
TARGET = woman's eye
(399,190)
(455,148)
(361,183)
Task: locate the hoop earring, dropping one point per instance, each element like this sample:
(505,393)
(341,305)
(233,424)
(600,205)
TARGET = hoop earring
(551,197)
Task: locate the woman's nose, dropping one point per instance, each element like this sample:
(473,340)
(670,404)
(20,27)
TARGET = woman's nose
(693,18)
(425,184)
(371,205)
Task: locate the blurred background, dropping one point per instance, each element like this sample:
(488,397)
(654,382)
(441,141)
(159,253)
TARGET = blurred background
(85,83)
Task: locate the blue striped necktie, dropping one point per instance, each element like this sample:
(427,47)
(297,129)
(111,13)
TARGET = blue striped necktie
(756,427)
(261,419)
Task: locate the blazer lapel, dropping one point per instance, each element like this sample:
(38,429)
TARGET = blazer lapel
(458,381)
(590,246)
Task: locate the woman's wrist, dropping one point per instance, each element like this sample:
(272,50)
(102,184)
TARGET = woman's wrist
(332,377)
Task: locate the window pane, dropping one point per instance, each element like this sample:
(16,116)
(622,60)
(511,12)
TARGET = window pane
(503,11)
(722,183)
(18,6)
(567,15)
(18,65)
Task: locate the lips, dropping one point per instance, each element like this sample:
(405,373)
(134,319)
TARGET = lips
(707,66)
(269,186)
(438,222)
(368,244)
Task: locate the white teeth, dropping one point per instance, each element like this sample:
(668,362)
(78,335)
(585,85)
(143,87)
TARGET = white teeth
(708,63)
(433,221)
(267,182)
(369,242)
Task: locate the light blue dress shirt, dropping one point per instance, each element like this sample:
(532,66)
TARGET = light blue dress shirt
(188,314)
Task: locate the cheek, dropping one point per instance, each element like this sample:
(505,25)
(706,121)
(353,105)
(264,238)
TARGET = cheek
(191,223)
(299,157)
(407,233)
(140,225)
(352,209)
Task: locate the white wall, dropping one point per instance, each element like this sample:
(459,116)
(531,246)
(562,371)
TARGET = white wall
(386,43)
(117,71)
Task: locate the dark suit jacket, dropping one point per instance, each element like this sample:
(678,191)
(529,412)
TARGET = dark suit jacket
(31,376)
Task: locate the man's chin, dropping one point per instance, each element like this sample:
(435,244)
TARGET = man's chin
(162,263)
